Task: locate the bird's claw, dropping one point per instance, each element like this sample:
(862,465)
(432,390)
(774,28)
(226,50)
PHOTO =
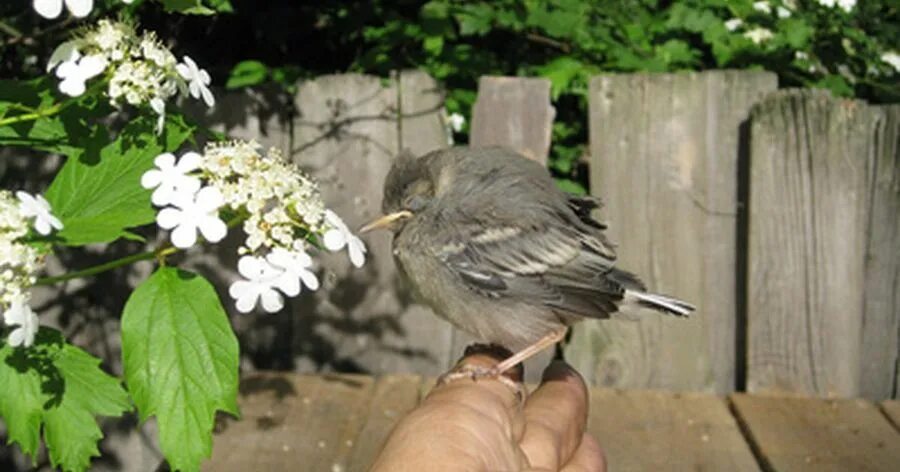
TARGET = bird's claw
(476,373)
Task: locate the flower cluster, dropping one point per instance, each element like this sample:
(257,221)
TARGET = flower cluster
(19,261)
(78,8)
(139,69)
(281,209)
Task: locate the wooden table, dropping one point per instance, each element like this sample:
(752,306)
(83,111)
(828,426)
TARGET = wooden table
(336,423)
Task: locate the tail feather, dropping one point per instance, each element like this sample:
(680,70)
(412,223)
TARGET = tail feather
(659,302)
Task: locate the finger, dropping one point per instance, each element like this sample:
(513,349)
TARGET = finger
(555,418)
(588,457)
(470,424)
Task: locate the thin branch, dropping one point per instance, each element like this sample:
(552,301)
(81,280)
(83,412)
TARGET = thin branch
(97,269)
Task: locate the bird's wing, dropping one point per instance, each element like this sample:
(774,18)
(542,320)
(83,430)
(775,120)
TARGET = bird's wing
(556,264)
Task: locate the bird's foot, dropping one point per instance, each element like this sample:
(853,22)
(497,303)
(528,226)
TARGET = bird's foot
(475,373)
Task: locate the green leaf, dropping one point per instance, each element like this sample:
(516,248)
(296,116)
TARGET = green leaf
(61,129)
(181,361)
(246,74)
(434,44)
(571,186)
(198,7)
(98,199)
(475,19)
(561,71)
(62,387)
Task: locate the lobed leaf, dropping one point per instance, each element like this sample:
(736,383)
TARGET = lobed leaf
(61,387)
(181,361)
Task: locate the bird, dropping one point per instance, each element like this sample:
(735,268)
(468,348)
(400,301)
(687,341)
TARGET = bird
(486,238)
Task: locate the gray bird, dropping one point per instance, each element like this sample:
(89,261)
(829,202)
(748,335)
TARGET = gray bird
(487,240)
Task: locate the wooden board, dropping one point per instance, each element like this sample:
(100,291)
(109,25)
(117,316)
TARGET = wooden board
(881,315)
(514,112)
(392,397)
(644,430)
(422,126)
(288,420)
(891,409)
(807,243)
(346,135)
(807,434)
(664,156)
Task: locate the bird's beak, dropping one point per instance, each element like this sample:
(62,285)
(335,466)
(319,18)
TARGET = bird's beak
(384,221)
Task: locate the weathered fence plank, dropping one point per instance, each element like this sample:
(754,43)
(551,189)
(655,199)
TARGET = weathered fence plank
(514,112)
(293,421)
(346,136)
(808,169)
(809,434)
(881,314)
(643,430)
(393,397)
(664,156)
(421,123)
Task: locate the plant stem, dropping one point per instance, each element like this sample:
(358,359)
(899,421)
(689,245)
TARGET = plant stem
(157,253)
(32,116)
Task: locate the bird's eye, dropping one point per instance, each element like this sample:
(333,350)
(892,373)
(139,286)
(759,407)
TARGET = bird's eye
(416,202)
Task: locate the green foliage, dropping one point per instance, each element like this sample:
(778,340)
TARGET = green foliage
(198,7)
(61,388)
(181,361)
(98,196)
(246,74)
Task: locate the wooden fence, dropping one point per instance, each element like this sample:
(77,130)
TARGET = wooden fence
(774,211)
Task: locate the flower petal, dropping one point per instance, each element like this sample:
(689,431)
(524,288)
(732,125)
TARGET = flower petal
(65,52)
(91,66)
(289,284)
(334,240)
(164,161)
(151,178)
(189,161)
(17,338)
(208,97)
(357,252)
(246,302)
(185,235)
(209,199)
(162,196)
(80,8)
(48,8)
(250,267)
(41,226)
(272,301)
(72,87)
(309,279)
(213,229)
(168,218)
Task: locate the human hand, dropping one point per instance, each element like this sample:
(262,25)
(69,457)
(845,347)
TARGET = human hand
(484,425)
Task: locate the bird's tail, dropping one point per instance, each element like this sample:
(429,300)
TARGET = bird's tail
(657,302)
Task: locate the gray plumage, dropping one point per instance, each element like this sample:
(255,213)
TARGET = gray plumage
(494,247)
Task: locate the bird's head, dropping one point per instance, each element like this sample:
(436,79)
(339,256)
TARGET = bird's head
(408,190)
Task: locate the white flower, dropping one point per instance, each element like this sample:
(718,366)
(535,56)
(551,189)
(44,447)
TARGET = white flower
(159,106)
(76,72)
(198,80)
(52,8)
(259,285)
(340,236)
(170,179)
(762,7)
(892,58)
(296,268)
(759,35)
(845,5)
(65,52)
(193,213)
(456,122)
(20,314)
(783,12)
(733,24)
(39,208)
